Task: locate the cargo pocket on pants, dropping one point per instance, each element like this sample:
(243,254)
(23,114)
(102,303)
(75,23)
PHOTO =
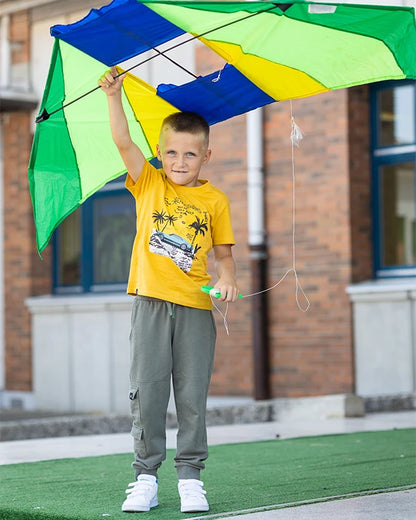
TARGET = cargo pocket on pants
(139,445)
(137,430)
(135,405)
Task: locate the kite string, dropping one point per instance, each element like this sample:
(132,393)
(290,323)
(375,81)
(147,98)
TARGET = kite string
(295,137)
(223,315)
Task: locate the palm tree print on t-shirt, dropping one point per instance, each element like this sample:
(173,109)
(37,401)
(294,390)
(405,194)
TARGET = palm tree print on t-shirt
(176,232)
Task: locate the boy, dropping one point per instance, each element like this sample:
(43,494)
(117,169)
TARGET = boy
(179,219)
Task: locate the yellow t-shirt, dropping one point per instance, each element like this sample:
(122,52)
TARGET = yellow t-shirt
(176,228)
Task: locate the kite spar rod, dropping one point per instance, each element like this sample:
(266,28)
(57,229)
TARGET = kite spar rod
(46,115)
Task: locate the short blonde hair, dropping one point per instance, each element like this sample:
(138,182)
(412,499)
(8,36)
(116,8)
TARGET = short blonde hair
(189,122)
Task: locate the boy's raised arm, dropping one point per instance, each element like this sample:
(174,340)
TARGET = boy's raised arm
(130,153)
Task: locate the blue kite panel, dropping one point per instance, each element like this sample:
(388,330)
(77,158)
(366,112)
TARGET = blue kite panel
(218,96)
(118,31)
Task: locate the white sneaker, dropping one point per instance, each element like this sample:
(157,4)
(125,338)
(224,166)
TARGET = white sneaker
(192,496)
(141,495)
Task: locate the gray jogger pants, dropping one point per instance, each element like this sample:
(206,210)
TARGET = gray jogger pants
(169,340)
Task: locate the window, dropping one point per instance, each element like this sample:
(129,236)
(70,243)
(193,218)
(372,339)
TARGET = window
(92,246)
(393,115)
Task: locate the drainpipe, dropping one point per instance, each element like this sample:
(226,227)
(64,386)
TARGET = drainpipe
(4,52)
(258,253)
(4,83)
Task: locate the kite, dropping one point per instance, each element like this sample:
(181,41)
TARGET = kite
(272,51)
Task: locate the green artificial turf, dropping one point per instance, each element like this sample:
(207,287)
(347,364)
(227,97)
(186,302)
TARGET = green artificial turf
(238,477)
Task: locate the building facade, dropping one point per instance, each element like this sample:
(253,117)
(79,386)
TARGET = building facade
(328,227)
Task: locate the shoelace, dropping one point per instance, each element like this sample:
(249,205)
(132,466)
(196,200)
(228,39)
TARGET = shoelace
(192,489)
(140,487)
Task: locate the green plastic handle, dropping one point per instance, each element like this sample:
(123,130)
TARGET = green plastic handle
(208,288)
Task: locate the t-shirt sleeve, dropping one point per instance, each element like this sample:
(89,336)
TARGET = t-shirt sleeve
(144,180)
(222,231)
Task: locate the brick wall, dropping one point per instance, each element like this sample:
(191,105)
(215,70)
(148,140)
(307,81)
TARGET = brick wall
(311,351)
(20,37)
(25,274)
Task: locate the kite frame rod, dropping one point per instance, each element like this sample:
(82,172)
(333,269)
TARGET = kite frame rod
(45,114)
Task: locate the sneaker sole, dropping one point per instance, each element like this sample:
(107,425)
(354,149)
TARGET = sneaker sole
(139,509)
(194,509)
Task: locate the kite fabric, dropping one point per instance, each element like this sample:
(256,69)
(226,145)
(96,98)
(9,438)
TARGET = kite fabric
(273,51)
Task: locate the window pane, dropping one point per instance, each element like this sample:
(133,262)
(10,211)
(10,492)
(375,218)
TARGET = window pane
(114,229)
(69,246)
(397,108)
(398,203)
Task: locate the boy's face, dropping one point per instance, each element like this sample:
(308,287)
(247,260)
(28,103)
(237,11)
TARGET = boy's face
(182,155)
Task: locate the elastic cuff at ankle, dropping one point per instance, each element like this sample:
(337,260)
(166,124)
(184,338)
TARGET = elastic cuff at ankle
(186,472)
(146,472)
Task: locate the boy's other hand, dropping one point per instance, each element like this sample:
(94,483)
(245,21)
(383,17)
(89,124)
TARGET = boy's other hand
(228,290)
(225,266)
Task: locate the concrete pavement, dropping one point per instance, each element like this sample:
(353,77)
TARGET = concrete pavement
(399,505)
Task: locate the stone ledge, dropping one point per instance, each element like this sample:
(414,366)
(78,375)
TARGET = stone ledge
(318,408)
(220,411)
(66,426)
(390,403)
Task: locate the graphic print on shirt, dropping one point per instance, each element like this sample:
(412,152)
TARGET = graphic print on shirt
(179,227)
